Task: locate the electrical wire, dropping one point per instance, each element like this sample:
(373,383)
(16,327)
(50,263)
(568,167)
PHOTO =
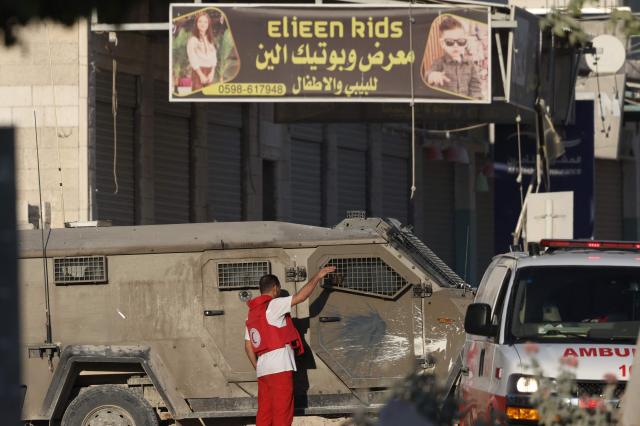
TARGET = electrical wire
(456,130)
(602,118)
(413,108)
(413,162)
(444,131)
(519,178)
(114,112)
(45,266)
(615,87)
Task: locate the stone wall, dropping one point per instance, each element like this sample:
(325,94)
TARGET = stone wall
(46,73)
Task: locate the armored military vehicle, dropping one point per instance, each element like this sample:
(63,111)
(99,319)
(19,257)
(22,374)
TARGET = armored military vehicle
(132,325)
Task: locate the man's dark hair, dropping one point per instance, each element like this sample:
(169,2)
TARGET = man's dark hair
(267,282)
(449,23)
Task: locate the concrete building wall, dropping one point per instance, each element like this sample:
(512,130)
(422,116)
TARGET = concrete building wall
(53,72)
(46,73)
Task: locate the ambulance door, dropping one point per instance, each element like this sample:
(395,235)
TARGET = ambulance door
(498,352)
(478,373)
(230,279)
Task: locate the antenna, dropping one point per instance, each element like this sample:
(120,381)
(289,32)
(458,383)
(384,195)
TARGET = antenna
(609,55)
(44,247)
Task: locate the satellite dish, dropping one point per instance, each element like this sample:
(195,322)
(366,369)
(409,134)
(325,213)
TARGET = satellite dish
(609,57)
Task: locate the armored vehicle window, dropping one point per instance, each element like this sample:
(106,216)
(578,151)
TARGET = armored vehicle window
(80,270)
(242,274)
(365,275)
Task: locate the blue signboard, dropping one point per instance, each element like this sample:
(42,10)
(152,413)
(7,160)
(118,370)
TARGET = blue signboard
(571,172)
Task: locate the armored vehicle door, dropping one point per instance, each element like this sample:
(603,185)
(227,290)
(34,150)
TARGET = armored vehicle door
(363,318)
(230,279)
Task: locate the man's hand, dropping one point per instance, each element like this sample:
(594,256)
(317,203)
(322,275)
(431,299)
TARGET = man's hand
(326,271)
(437,78)
(306,291)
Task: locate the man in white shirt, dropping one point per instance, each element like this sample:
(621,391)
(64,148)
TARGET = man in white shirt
(270,341)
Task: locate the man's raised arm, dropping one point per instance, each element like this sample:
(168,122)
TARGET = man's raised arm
(306,291)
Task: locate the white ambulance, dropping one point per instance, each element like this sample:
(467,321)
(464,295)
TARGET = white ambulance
(567,304)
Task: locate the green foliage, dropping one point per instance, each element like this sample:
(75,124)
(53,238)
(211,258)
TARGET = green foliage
(552,398)
(422,393)
(565,22)
(180,59)
(227,58)
(555,400)
(627,21)
(428,397)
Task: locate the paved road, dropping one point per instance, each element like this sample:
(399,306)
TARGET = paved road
(298,421)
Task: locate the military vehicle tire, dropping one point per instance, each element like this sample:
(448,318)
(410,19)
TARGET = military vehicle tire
(109,405)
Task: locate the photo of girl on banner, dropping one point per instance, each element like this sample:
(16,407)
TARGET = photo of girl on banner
(203,51)
(456,57)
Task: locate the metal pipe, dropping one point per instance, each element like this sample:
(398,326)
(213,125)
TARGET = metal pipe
(520,224)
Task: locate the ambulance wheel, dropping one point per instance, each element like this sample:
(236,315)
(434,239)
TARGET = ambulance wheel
(109,405)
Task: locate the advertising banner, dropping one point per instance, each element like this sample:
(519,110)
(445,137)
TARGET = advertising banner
(526,42)
(573,171)
(337,53)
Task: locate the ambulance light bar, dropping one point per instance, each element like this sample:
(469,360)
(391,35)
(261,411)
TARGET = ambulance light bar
(590,244)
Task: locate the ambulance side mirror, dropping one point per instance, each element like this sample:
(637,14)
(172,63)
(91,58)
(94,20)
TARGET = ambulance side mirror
(478,320)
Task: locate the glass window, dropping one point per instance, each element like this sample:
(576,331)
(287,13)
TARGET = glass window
(488,291)
(576,302)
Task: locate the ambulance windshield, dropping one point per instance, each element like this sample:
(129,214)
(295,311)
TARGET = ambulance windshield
(576,303)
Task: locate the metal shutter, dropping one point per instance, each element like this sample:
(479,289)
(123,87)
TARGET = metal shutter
(485,221)
(608,194)
(170,158)
(224,133)
(439,209)
(396,156)
(311,132)
(352,168)
(120,207)
(306,174)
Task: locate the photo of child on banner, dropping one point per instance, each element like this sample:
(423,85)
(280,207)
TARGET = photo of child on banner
(204,51)
(456,58)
